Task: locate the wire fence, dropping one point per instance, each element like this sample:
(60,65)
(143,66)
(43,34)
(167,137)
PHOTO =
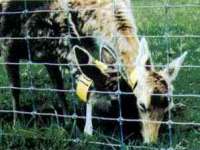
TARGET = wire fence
(167,6)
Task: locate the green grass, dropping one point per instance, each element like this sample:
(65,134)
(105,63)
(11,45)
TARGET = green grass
(150,21)
(179,21)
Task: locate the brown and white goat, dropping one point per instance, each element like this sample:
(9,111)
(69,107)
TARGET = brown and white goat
(153,91)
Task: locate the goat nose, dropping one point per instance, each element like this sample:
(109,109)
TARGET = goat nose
(150,133)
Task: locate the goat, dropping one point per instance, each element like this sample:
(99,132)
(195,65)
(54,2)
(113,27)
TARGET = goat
(88,24)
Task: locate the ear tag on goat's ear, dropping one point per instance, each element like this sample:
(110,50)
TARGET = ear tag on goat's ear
(102,66)
(83,85)
(133,78)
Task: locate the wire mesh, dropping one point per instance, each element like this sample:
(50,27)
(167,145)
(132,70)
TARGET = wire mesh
(167,6)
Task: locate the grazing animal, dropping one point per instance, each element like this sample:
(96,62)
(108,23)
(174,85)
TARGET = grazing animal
(109,104)
(89,24)
(150,98)
(153,91)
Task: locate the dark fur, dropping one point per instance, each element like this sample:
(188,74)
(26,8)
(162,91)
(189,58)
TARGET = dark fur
(18,25)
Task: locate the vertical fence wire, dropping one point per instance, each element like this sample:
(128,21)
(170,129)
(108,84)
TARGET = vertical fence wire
(72,86)
(167,41)
(30,74)
(118,92)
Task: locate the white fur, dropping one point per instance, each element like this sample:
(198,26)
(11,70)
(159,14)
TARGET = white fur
(88,125)
(141,60)
(174,66)
(144,54)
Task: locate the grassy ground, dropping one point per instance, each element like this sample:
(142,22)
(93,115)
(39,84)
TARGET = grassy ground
(151,22)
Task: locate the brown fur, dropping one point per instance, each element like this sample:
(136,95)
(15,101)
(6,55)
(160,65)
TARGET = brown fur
(158,83)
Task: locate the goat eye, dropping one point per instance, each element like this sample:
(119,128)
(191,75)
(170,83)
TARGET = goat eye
(142,108)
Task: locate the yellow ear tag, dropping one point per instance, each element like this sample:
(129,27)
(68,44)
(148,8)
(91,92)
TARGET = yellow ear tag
(133,78)
(83,85)
(102,66)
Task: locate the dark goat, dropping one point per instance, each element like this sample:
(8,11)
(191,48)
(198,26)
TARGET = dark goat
(112,82)
(49,50)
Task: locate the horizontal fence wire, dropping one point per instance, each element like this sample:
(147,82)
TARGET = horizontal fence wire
(81,37)
(35,113)
(74,116)
(94,91)
(75,65)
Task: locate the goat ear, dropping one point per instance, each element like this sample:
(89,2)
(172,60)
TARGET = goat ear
(82,56)
(107,56)
(144,57)
(84,61)
(172,69)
